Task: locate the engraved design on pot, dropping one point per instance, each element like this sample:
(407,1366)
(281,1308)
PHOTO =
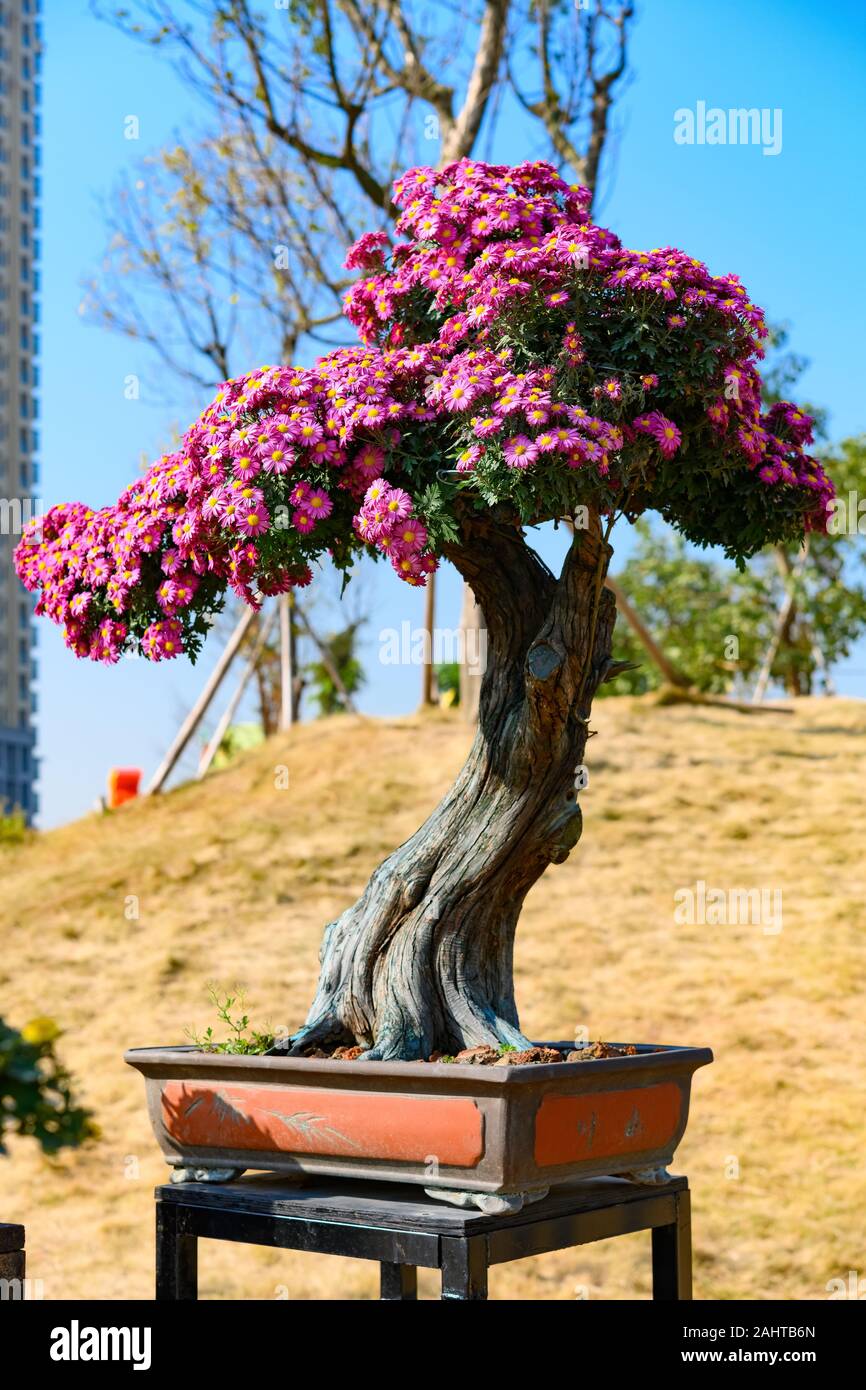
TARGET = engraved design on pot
(367,1124)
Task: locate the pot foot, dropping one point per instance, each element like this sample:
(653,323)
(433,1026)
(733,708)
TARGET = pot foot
(205,1174)
(650,1177)
(491,1203)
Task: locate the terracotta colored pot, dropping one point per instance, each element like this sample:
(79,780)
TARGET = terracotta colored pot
(472,1128)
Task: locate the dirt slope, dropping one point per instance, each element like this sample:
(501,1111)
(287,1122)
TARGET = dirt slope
(234,878)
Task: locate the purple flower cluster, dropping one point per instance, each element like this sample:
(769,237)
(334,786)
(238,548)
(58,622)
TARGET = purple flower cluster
(489,344)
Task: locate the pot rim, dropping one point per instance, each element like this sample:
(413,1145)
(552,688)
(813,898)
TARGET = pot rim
(662,1057)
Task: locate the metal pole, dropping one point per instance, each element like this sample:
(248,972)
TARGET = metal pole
(212,685)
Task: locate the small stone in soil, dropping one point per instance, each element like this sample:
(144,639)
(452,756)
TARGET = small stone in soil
(597,1050)
(532,1054)
(483,1056)
(486,1056)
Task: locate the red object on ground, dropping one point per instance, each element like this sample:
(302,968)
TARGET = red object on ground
(123,785)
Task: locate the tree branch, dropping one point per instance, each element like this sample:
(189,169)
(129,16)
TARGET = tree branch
(485,70)
(566,661)
(510,582)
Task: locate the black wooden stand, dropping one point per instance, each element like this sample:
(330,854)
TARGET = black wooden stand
(403,1229)
(11,1261)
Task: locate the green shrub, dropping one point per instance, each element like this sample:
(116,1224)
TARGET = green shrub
(36,1090)
(13,828)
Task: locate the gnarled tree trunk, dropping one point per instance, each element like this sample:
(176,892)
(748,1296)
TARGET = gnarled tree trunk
(423,961)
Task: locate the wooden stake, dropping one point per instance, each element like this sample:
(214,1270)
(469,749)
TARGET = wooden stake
(219,732)
(645,637)
(287,675)
(327,659)
(199,709)
(429,623)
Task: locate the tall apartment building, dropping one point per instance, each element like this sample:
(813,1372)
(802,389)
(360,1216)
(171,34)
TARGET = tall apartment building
(20,95)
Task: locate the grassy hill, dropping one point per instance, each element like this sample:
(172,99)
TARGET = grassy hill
(115,924)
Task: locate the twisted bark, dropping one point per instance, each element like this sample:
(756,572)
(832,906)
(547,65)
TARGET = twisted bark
(423,961)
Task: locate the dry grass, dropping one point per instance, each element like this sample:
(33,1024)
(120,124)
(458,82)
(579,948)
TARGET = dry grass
(234,880)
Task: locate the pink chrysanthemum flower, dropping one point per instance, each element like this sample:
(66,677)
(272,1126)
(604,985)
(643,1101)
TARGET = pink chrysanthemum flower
(318,503)
(107,641)
(309,431)
(253,519)
(229,508)
(398,504)
(408,566)
(410,536)
(166,595)
(664,431)
(245,466)
(163,640)
(519,451)
(278,458)
(80,603)
(375,492)
(468,458)
(185,589)
(370,459)
(566,438)
(460,396)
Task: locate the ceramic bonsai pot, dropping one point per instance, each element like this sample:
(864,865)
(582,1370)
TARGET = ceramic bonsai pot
(470,1128)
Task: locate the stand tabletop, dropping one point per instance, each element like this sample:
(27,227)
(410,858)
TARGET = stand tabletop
(401,1206)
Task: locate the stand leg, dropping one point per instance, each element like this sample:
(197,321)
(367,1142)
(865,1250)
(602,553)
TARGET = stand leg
(176,1257)
(672,1255)
(464,1267)
(399,1282)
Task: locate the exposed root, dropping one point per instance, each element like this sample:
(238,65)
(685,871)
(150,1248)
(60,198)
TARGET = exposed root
(326,1031)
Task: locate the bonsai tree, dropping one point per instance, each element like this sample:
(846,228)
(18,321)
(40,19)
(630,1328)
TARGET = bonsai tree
(516,364)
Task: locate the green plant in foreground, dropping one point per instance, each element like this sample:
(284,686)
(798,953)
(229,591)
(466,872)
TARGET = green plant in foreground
(13,828)
(36,1090)
(243,1038)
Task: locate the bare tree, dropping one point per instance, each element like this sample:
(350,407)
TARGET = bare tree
(578,56)
(326,101)
(218,251)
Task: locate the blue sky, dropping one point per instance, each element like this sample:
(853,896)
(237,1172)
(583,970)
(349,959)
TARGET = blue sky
(791,225)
